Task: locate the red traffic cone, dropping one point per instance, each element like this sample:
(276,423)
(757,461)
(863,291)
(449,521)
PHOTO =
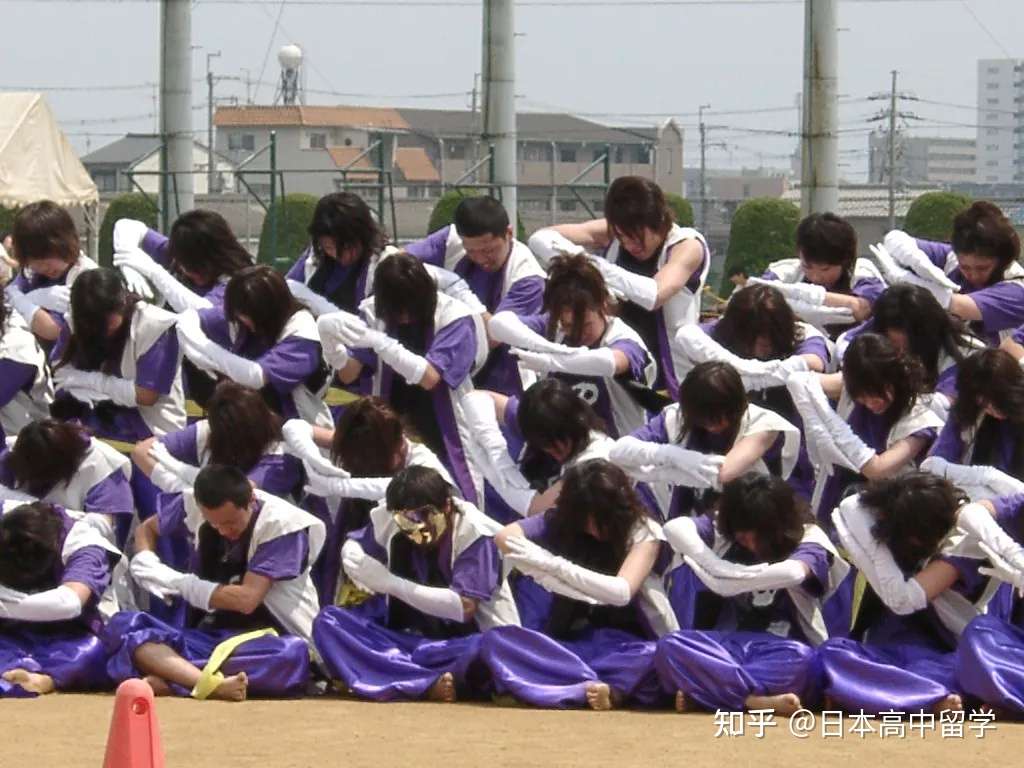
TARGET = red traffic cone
(134,739)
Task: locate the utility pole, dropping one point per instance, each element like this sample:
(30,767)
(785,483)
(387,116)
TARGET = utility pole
(892,153)
(476,128)
(703,169)
(211,169)
(176,109)
(499,118)
(819,143)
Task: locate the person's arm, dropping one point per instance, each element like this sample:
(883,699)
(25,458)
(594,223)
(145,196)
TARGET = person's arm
(1013,347)
(684,260)
(832,385)
(744,454)
(146,535)
(589,234)
(964,307)
(141,458)
(860,307)
(894,458)
(242,598)
(936,577)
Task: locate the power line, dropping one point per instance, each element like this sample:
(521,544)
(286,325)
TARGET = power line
(986,30)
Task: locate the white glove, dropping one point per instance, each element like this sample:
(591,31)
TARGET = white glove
(298,436)
(605,589)
(159,453)
(246,372)
(990,478)
(582,362)
(683,536)
(853,523)
(451,284)
(57,604)
(316,303)
(369,488)
(978,523)
(546,244)
(781,575)
(120,391)
(815,409)
(340,329)
(756,374)
(137,284)
(642,291)
(808,293)
(408,365)
(905,252)
(548,581)
(56,298)
(21,303)
(507,328)
(694,469)
(156,578)
(179,297)
(196,591)
(894,273)
(1001,570)
(489,452)
(820,316)
(10,494)
(129,234)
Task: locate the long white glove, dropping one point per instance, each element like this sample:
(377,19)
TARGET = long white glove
(547,244)
(246,372)
(21,303)
(756,374)
(581,362)
(1000,569)
(641,290)
(808,293)
(57,604)
(978,523)
(819,315)
(780,575)
(317,304)
(369,572)
(694,469)
(339,332)
(136,283)
(129,234)
(408,365)
(683,536)
(369,488)
(991,478)
(10,494)
(159,453)
(894,273)
(604,589)
(177,295)
(150,573)
(56,298)
(507,328)
(196,591)
(905,251)
(453,285)
(120,391)
(490,453)
(298,436)
(901,595)
(826,426)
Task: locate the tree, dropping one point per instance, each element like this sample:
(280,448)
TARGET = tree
(681,208)
(133,205)
(292,213)
(931,215)
(444,211)
(7,218)
(763,230)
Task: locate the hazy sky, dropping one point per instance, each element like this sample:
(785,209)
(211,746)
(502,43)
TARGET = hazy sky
(631,61)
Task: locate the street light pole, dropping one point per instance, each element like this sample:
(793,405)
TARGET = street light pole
(211,172)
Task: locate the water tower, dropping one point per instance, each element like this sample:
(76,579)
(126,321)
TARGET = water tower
(289,89)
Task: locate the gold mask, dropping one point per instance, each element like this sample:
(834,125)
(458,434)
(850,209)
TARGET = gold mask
(423,525)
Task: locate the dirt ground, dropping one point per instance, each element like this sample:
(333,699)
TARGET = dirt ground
(69,730)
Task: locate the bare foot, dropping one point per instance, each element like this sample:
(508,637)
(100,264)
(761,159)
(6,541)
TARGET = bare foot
(599,696)
(443,689)
(232,689)
(952,703)
(33,682)
(159,685)
(783,704)
(682,705)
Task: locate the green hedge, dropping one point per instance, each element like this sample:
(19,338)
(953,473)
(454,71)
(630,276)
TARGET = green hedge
(292,213)
(7,218)
(931,215)
(763,230)
(444,211)
(133,205)
(681,208)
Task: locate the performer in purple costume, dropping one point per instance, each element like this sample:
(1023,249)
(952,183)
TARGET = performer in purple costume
(601,558)
(54,570)
(432,565)
(250,571)
(25,387)
(768,570)
(901,534)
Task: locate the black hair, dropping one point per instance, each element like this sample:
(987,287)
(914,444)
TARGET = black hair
(217,484)
(30,547)
(576,285)
(824,238)
(202,242)
(45,454)
(766,506)
(983,230)
(96,295)
(402,286)
(366,438)
(873,367)
(550,411)
(418,486)
(478,216)
(44,230)
(262,295)
(633,204)
(710,392)
(347,219)
(753,311)
(242,425)
(989,377)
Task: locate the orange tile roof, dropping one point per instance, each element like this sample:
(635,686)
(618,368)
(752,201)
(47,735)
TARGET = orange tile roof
(342,156)
(318,117)
(415,164)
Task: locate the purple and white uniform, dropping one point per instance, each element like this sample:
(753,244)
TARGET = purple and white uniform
(517,287)
(1001,304)
(989,442)
(156,246)
(293,367)
(25,387)
(762,642)
(277,472)
(866,282)
(610,398)
(345,287)
(27,280)
(575,643)
(280,543)
(455,345)
(384,649)
(71,652)
(658,328)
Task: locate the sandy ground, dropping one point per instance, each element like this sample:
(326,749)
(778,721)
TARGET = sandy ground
(337,732)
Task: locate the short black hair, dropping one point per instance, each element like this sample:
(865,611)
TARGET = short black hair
(218,483)
(739,269)
(478,216)
(417,486)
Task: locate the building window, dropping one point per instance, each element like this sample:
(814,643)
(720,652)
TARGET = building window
(991,86)
(246,141)
(991,115)
(566,155)
(746,191)
(992,163)
(318,141)
(456,150)
(106,182)
(567,206)
(643,154)
(991,147)
(993,70)
(991,131)
(991,102)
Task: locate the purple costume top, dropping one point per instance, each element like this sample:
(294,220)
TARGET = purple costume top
(865,286)
(344,286)
(994,444)
(110,494)
(1001,304)
(156,245)
(499,291)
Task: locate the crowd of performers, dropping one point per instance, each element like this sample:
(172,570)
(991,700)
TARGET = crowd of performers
(478,468)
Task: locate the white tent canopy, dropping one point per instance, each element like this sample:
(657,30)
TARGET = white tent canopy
(36,160)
